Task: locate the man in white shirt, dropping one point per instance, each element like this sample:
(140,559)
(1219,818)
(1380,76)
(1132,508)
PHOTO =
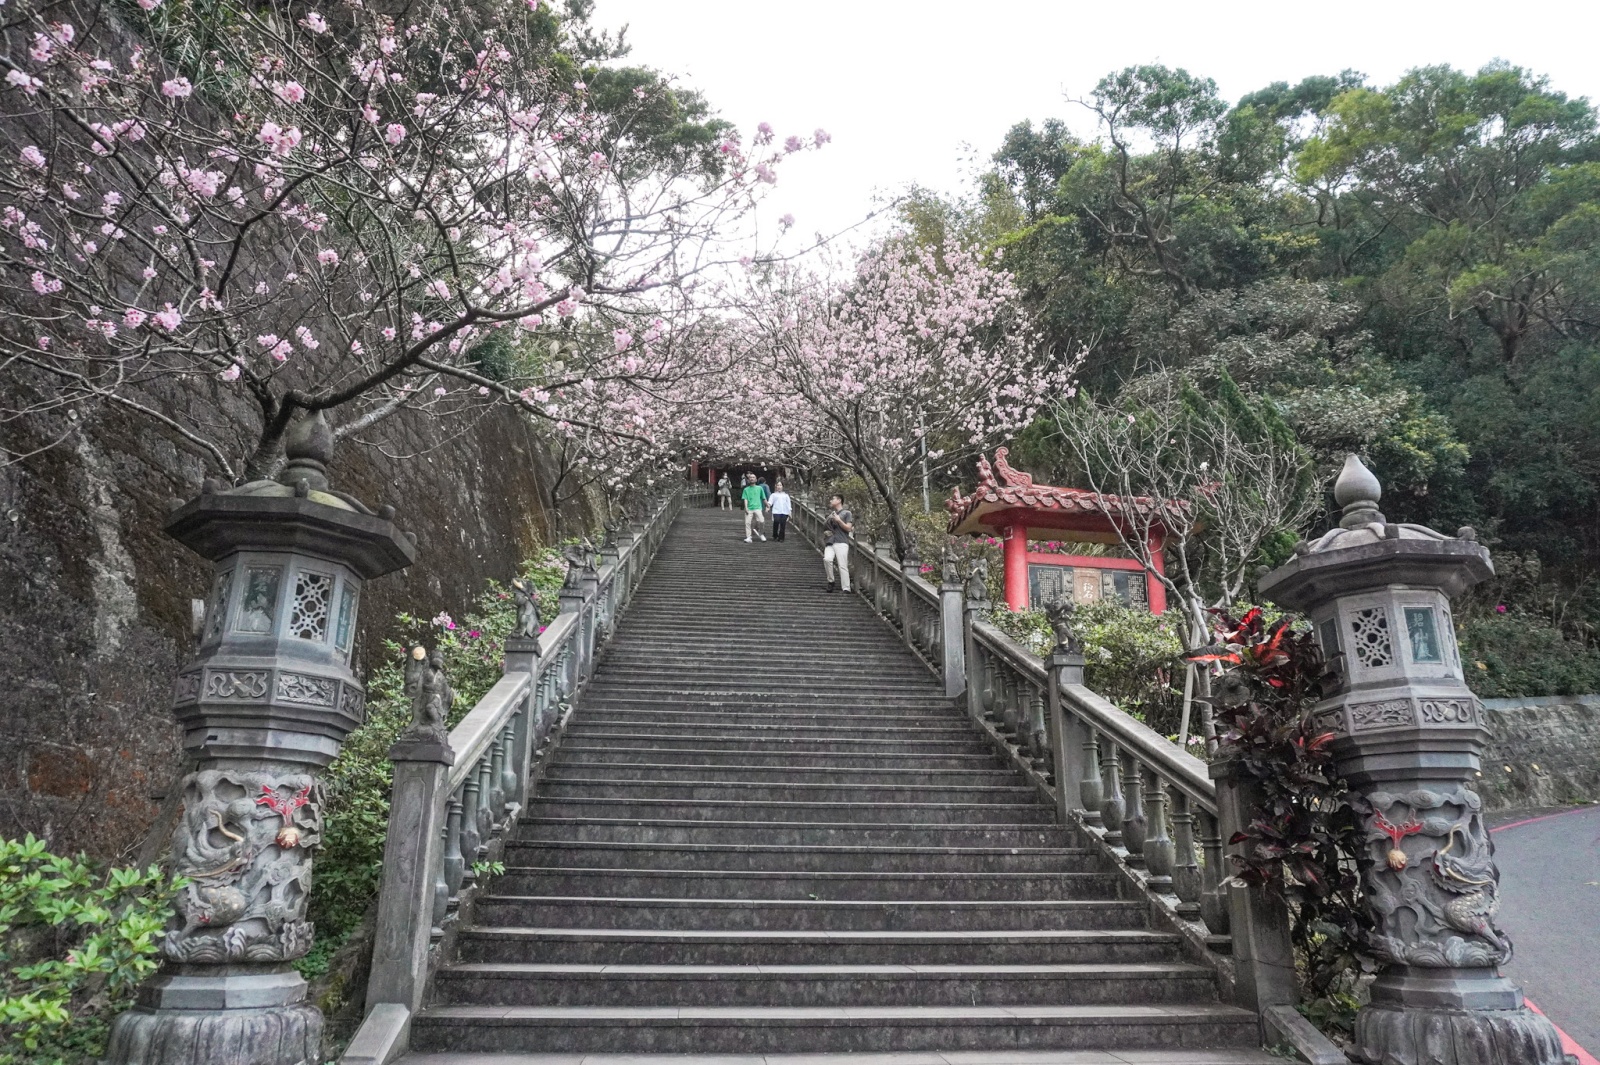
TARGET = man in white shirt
(781,507)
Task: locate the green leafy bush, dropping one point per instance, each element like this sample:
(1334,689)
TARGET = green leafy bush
(1514,654)
(356,814)
(74,944)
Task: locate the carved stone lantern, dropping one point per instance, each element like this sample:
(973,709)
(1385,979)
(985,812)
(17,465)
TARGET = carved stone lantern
(1409,735)
(264,706)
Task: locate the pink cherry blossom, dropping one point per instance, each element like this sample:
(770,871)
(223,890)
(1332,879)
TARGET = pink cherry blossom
(622,339)
(231,373)
(328,257)
(167,318)
(315,23)
(32,156)
(176,88)
(290,92)
(133,317)
(394,133)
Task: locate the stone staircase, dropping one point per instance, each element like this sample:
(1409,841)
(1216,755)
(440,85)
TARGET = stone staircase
(768,832)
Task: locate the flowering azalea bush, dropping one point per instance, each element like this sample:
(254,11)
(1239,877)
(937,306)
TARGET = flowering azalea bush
(340,207)
(1307,839)
(356,814)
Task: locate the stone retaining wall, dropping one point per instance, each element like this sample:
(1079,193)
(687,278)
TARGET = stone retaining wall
(95,599)
(1545,752)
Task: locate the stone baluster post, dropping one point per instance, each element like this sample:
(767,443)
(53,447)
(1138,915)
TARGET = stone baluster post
(1214,908)
(977,605)
(910,614)
(589,630)
(264,706)
(1409,735)
(1064,666)
(1113,807)
(952,639)
(1185,866)
(522,652)
(1134,823)
(1158,849)
(1091,790)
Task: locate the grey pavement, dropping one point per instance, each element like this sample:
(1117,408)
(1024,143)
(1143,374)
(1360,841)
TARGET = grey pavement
(1550,907)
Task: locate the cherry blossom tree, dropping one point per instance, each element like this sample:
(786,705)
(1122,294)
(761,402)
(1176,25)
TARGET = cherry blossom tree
(349,211)
(922,348)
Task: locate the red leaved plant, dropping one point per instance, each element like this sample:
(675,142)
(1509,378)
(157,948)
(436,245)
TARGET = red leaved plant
(1305,839)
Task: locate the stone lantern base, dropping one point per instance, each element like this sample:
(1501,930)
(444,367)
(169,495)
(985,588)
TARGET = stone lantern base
(209,1014)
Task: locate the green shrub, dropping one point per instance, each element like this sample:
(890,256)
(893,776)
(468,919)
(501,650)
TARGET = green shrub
(356,814)
(74,944)
(1514,654)
(1131,656)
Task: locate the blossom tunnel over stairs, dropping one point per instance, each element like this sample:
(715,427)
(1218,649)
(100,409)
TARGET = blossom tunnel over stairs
(767,830)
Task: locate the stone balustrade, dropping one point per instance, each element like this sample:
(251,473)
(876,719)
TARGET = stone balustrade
(454,803)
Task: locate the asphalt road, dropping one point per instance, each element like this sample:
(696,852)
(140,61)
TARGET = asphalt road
(1550,907)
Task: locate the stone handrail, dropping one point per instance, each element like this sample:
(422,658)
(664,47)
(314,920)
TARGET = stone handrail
(1153,806)
(453,805)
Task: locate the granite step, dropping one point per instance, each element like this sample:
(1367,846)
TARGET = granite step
(789,833)
(528,984)
(754,801)
(926,860)
(652,946)
(748,1030)
(834,915)
(875,885)
(579,752)
(674,778)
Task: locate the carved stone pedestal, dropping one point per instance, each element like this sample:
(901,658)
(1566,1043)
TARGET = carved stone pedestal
(264,706)
(1407,735)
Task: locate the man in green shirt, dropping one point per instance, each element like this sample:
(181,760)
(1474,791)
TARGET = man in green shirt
(755,501)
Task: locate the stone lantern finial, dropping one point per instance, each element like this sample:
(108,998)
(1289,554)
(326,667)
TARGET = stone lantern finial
(1358,492)
(308,446)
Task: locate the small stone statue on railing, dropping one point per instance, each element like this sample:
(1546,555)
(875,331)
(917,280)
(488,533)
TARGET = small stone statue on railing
(978,581)
(576,556)
(949,571)
(527,600)
(431,695)
(1059,612)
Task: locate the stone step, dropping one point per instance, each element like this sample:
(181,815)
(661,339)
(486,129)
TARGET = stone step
(696,721)
(806,884)
(580,752)
(747,1030)
(625,946)
(566,784)
(762,809)
(841,744)
(819,694)
(893,784)
(790,833)
(920,986)
(847,915)
(930,1057)
(924,860)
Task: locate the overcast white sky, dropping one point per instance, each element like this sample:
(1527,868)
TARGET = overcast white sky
(904,86)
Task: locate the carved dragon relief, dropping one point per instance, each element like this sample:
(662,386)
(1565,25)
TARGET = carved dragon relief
(244,843)
(1435,902)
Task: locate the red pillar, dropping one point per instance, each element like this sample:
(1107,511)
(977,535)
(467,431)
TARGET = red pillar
(1016,541)
(694,471)
(711,476)
(1155,590)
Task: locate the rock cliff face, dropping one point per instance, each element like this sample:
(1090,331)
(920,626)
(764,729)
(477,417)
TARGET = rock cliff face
(95,600)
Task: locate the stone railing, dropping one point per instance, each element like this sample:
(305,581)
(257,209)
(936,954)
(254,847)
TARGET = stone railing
(454,803)
(1154,809)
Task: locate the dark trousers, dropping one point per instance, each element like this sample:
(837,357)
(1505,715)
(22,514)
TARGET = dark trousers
(780,522)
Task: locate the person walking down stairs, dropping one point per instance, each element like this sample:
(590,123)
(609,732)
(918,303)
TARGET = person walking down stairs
(841,523)
(781,507)
(724,493)
(755,502)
